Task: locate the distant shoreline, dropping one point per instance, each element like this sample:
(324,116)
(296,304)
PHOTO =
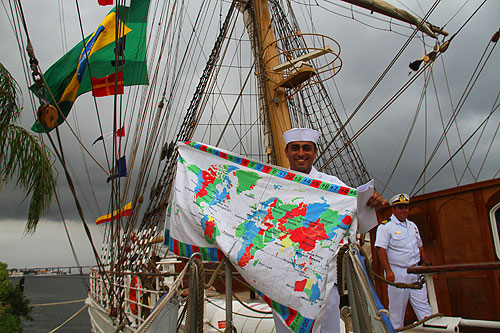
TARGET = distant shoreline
(49,275)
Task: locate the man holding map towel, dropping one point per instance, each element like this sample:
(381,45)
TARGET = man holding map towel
(301,150)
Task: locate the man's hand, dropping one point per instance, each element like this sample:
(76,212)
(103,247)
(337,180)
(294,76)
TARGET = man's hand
(382,255)
(376,201)
(389,275)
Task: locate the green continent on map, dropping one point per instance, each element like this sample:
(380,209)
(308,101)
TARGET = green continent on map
(330,219)
(246,180)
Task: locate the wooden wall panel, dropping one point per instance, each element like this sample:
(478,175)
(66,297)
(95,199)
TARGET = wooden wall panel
(460,231)
(471,297)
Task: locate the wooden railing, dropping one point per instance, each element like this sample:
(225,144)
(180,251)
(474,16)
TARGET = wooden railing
(428,271)
(484,266)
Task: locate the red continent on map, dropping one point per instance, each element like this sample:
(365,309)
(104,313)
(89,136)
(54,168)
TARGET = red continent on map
(307,237)
(269,215)
(245,258)
(209,229)
(300,285)
(347,220)
(300,210)
(208,178)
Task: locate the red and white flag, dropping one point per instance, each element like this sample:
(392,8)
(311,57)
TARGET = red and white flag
(119,133)
(111,2)
(108,85)
(105,2)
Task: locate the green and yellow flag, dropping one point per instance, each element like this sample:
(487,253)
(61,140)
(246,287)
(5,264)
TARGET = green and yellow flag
(96,58)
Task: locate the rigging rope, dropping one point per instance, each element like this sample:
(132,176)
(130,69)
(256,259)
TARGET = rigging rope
(419,322)
(70,318)
(186,129)
(196,283)
(85,283)
(442,123)
(470,84)
(407,139)
(59,303)
(362,13)
(467,21)
(389,66)
(490,145)
(246,306)
(458,150)
(477,144)
(235,105)
(381,110)
(38,76)
(250,308)
(90,75)
(174,290)
(313,106)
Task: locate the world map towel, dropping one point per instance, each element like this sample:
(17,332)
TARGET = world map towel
(279,228)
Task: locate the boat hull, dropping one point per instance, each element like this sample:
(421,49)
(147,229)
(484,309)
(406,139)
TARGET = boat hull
(166,321)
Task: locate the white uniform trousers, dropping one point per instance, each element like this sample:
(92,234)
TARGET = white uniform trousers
(398,298)
(331,319)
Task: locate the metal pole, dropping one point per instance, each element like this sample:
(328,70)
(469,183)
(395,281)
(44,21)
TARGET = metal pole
(480,323)
(431,293)
(229,296)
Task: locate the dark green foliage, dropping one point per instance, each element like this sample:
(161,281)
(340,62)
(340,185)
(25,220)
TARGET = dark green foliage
(13,304)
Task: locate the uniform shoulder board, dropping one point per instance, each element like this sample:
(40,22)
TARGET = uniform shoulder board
(385,221)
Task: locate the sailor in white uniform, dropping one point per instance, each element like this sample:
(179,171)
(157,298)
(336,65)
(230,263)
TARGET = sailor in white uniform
(399,246)
(301,150)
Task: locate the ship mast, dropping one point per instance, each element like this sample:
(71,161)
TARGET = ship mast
(288,63)
(306,103)
(275,97)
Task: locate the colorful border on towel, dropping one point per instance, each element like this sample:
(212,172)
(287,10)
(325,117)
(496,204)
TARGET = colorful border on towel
(212,254)
(292,318)
(288,175)
(296,321)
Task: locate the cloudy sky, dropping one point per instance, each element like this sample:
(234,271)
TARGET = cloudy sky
(368,45)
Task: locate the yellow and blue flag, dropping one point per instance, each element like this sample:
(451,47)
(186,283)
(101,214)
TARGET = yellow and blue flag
(96,57)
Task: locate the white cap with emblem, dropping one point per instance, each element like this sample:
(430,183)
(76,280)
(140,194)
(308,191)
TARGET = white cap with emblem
(400,199)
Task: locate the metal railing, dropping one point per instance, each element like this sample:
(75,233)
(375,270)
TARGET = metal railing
(136,293)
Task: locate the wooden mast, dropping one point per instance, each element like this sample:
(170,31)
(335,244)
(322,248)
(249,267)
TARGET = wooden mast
(275,96)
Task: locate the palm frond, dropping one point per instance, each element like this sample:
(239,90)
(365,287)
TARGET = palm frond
(26,157)
(10,98)
(22,154)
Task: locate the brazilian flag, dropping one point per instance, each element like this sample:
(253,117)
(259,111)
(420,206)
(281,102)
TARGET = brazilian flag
(118,44)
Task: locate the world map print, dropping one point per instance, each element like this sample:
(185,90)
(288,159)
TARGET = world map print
(280,229)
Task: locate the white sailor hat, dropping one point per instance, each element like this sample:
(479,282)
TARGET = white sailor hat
(400,199)
(301,134)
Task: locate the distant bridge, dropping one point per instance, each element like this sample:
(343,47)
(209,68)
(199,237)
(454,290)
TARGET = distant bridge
(48,270)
